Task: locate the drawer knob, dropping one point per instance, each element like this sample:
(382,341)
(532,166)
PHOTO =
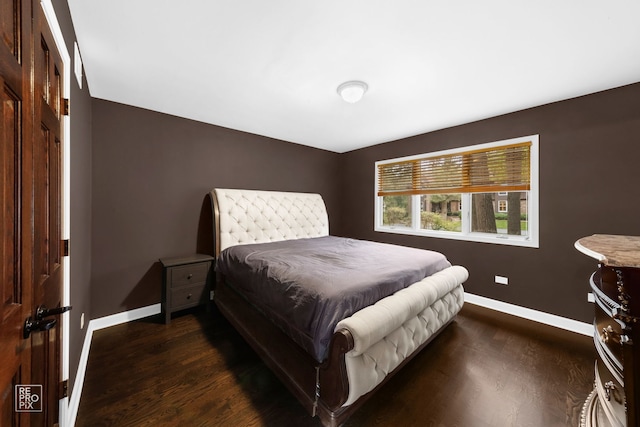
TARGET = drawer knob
(189,296)
(190,276)
(608,334)
(609,386)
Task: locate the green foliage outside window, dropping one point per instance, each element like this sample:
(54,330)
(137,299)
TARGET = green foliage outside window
(397,215)
(436,221)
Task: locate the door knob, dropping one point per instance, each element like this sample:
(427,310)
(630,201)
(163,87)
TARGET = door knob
(40,324)
(42,311)
(31,325)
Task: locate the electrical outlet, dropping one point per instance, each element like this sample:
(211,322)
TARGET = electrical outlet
(590,297)
(501,280)
(82,321)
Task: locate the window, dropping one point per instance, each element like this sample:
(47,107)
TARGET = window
(463,193)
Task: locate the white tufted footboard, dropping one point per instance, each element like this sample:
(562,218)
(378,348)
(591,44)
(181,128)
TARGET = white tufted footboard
(389,331)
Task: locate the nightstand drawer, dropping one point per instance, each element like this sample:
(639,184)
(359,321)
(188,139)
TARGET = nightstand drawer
(189,274)
(188,296)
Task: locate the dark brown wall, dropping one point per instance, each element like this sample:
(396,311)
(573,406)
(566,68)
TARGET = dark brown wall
(80,199)
(151,173)
(589,177)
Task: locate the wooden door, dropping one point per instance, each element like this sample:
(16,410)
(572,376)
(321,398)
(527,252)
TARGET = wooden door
(31,272)
(47,159)
(15,158)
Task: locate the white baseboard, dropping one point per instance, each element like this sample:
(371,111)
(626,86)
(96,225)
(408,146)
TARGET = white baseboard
(535,315)
(126,316)
(94,325)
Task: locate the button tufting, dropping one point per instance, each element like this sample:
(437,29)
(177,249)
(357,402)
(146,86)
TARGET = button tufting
(261,216)
(387,354)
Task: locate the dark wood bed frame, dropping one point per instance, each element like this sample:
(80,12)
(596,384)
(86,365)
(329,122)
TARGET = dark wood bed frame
(323,388)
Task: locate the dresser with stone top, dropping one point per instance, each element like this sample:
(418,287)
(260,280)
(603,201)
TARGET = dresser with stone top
(615,284)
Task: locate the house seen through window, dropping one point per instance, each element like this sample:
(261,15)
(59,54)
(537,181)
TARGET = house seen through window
(486,193)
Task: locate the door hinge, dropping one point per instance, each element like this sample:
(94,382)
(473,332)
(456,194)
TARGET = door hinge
(64,247)
(65,106)
(64,389)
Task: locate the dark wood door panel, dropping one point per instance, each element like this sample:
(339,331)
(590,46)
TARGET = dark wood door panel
(31,76)
(16,297)
(47,157)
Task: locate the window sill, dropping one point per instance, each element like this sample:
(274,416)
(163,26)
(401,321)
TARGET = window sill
(499,239)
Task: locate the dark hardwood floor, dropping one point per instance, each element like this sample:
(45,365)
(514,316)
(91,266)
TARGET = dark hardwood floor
(486,369)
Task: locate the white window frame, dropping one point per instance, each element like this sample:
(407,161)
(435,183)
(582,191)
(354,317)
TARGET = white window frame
(506,206)
(530,240)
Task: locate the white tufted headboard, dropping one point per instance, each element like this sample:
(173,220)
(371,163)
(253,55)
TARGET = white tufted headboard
(253,216)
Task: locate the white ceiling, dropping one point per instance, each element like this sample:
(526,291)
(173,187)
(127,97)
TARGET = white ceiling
(272,67)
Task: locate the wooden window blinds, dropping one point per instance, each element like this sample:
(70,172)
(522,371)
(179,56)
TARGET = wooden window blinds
(484,170)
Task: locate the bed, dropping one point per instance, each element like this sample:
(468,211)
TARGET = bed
(336,336)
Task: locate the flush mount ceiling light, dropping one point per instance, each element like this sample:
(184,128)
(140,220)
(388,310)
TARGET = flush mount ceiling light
(352,91)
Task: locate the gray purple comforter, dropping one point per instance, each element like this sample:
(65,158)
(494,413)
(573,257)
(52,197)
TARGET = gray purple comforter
(307,286)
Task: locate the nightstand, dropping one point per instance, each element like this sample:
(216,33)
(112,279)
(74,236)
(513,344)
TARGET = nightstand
(186,282)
